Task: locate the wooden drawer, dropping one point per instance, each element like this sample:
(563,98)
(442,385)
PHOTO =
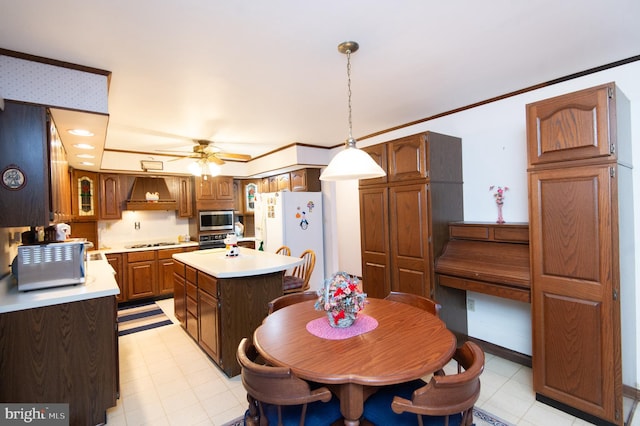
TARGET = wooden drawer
(208,284)
(139,256)
(192,306)
(192,291)
(178,268)
(493,289)
(168,253)
(190,274)
(512,234)
(472,232)
(192,325)
(508,232)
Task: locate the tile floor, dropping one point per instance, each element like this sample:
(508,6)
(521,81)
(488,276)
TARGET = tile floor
(156,389)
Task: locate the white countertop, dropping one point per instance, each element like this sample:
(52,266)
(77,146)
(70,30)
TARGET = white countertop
(250,262)
(122,248)
(100,282)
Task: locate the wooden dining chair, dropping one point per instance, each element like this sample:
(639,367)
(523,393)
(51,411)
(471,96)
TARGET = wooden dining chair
(284,250)
(290,299)
(298,281)
(277,397)
(447,400)
(421,302)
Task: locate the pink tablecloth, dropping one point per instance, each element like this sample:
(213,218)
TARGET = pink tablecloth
(320,327)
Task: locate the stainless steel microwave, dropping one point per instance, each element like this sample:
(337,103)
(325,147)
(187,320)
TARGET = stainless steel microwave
(216,220)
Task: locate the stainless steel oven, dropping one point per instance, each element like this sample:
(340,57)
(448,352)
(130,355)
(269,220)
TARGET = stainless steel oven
(209,241)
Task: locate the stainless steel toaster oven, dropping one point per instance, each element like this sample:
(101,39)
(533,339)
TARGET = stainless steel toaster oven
(49,265)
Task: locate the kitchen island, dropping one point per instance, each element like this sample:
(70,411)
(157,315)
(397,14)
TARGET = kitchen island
(219,299)
(60,345)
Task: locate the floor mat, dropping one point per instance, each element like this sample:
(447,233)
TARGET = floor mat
(132,319)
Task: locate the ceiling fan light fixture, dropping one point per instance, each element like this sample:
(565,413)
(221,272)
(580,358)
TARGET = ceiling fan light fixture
(351,163)
(204,168)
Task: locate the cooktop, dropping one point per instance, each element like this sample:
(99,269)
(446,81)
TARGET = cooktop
(143,245)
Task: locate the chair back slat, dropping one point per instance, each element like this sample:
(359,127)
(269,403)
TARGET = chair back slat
(290,299)
(418,301)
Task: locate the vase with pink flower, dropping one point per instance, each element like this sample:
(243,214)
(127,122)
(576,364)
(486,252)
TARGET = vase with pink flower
(342,299)
(499,197)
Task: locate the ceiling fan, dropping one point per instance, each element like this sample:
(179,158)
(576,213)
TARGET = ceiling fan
(204,151)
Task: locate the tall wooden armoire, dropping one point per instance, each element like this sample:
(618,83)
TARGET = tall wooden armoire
(580,196)
(404,216)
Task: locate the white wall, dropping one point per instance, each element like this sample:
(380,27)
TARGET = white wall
(155,226)
(494,153)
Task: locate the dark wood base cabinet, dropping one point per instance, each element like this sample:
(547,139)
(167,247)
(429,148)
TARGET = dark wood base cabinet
(65,353)
(218,313)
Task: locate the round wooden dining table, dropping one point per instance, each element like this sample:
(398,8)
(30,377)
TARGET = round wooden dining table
(408,343)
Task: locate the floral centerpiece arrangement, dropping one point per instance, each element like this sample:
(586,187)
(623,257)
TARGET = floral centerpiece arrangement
(341,299)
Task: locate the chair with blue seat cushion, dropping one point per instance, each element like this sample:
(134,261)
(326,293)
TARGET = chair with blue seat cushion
(445,400)
(277,397)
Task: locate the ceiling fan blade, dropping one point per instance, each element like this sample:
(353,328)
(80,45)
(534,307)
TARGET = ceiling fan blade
(172,151)
(215,159)
(233,156)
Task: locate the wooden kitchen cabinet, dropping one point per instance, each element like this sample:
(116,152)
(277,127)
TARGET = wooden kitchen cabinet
(84,195)
(580,184)
(208,316)
(379,154)
(264,185)
(237,197)
(247,244)
(60,178)
(62,353)
(146,274)
(214,193)
(404,220)
(305,180)
(117,263)
(283,182)
(185,197)
(165,270)
(179,292)
(142,274)
(191,302)
(217,313)
(110,197)
(550,124)
(35,191)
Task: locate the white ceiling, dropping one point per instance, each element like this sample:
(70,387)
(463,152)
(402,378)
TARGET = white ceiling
(257,75)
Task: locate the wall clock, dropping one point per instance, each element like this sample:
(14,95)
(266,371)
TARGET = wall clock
(13,178)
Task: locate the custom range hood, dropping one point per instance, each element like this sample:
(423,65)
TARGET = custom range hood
(151,193)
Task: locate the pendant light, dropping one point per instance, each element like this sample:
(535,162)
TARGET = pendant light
(351,163)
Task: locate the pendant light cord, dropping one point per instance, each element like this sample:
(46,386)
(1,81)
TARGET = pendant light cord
(349,89)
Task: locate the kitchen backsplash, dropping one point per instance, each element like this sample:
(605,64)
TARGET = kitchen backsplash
(154,226)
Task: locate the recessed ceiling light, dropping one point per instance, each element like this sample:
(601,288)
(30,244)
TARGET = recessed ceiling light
(86,163)
(80,132)
(85,156)
(83,146)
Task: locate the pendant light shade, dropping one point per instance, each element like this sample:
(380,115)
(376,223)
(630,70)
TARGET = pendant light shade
(351,163)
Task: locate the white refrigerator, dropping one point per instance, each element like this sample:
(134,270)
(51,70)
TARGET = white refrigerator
(292,219)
